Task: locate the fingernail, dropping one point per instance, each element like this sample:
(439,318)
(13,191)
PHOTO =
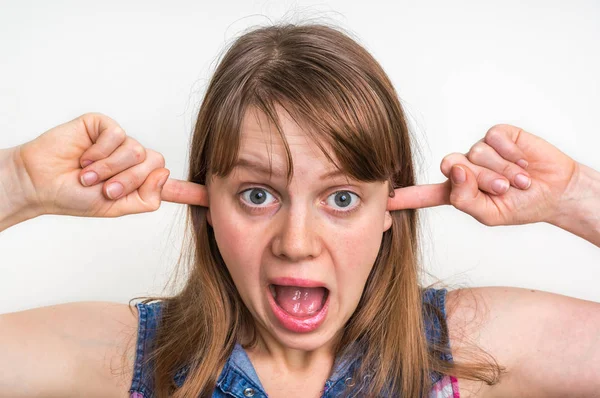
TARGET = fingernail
(458,175)
(114,190)
(163,181)
(86,163)
(499,186)
(523,163)
(522,181)
(89,178)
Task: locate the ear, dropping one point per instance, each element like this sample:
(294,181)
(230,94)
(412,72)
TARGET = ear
(387,221)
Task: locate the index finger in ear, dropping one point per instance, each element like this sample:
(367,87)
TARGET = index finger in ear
(420,196)
(184,192)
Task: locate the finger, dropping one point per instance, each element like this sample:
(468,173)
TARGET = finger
(133,177)
(467,197)
(504,139)
(420,196)
(105,133)
(487,180)
(150,191)
(127,155)
(146,198)
(185,192)
(482,154)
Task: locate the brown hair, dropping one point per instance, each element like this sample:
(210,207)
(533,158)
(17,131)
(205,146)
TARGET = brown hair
(340,95)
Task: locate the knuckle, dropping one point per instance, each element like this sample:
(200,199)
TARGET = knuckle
(495,132)
(138,152)
(161,159)
(455,156)
(450,160)
(477,150)
(88,115)
(119,133)
(156,157)
(445,166)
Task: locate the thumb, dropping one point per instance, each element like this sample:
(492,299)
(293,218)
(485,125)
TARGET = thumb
(465,194)
(152,187)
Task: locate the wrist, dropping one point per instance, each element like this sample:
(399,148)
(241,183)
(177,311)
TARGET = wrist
(578,210)
(15,204)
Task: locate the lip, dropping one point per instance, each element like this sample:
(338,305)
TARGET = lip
(294,323)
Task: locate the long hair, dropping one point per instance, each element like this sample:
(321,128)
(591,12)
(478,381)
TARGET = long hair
(343,99)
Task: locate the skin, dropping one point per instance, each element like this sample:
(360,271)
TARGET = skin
(548,342)
(299,231)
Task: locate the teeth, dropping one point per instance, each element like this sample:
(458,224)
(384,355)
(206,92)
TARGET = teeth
(273,292)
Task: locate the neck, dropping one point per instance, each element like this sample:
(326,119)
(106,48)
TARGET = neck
(287,359)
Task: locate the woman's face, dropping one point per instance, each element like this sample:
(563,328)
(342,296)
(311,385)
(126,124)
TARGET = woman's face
(299,254)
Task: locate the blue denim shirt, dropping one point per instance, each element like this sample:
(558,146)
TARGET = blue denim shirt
(238,377)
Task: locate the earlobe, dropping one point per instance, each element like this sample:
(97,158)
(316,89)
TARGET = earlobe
(387,221)
(208,217)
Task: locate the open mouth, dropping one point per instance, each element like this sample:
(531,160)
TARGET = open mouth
(299,301)
(299,309)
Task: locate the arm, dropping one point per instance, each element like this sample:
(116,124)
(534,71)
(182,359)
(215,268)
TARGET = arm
(78,349)
(579,212)
(70,350)
(14,206)
(548,342)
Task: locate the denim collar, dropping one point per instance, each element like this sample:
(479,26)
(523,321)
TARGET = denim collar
(239,377)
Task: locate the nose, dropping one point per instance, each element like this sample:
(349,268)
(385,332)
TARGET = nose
(297,237)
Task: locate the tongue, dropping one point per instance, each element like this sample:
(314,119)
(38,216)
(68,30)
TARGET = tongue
(300,301)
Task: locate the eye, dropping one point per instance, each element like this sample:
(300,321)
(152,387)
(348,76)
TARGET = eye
(257,197)
(343,200)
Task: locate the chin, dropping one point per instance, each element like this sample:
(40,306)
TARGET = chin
(304,341)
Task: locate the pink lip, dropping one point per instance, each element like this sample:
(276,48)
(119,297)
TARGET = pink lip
(287,281)
(294,323)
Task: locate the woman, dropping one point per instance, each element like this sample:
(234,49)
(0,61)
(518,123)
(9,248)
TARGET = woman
(304,275)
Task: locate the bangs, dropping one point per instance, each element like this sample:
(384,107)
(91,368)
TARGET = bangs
(330,86)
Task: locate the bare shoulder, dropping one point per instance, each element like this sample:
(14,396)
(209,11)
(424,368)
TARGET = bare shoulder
(547,342)
(74,349)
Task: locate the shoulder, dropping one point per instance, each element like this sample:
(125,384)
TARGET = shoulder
(541,338)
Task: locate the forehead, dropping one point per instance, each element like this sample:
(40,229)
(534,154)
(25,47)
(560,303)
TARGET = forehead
(260,141)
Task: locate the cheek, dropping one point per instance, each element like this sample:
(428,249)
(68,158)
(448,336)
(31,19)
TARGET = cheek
(238,245)
(360,243)
(354,256)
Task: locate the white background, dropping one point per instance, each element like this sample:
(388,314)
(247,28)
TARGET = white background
(459,68)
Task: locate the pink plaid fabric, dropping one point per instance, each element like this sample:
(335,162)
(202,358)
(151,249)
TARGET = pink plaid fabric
(447,387)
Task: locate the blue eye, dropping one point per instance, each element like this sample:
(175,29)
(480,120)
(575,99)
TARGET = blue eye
(342,199)
(257,197)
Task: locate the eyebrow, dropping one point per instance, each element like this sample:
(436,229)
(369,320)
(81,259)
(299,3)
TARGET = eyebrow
(278,172)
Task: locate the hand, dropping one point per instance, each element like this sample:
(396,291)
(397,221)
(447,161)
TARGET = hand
(506,155)
(57,161)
